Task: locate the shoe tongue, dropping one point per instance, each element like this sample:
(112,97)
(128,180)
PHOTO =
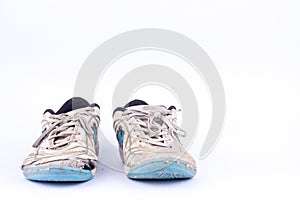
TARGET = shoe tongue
(146,108)
(73,104)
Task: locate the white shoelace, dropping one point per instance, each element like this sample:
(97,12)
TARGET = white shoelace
(63,126)
(155,124)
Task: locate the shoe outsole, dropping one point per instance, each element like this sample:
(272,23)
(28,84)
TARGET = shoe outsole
(162,169)
(57,174)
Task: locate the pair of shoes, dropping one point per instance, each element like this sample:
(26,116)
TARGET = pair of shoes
(148,139)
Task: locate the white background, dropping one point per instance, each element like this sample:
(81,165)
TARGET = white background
(254,44)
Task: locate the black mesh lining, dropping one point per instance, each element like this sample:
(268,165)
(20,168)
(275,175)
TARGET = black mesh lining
(135,102)
(172,107)
(72,104)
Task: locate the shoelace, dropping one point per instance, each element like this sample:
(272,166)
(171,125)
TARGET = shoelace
(62,128)
(156,124)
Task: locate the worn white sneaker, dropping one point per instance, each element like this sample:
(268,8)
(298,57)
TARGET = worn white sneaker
(149,142)
(68,148)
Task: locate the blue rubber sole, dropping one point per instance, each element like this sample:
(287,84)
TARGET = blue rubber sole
(161,169)
(57,174)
